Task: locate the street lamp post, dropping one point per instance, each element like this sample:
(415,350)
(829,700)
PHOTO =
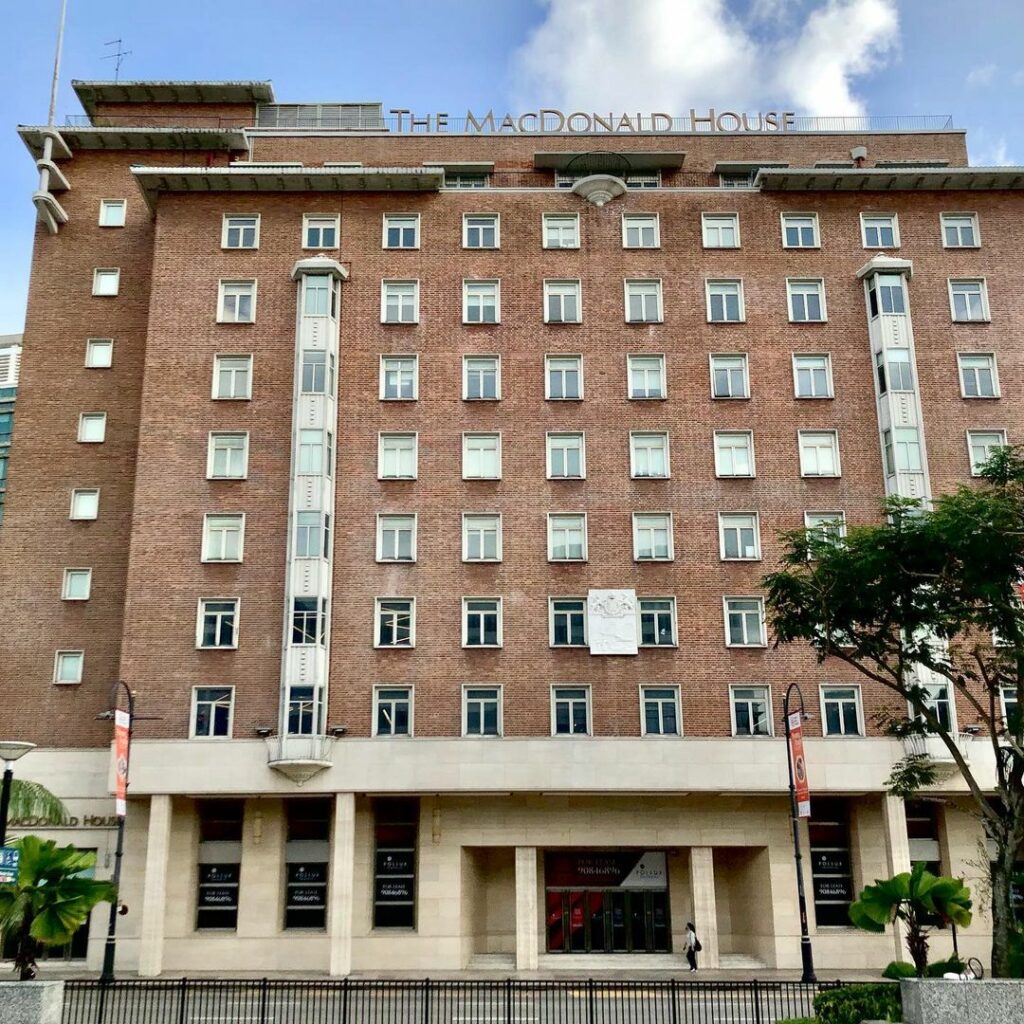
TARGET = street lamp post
(806,955)
(10,751)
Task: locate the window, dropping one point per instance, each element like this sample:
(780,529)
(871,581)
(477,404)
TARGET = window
(660,706)
(481,622)
(643,302)
(567,538)
(885,295)
(212,710)
(737,179)
(313,458)
(481,302)
(819,453)
(960,231)
(219,868)
(828,525)
(106,282)
(77,584)
(112,213)
(396,622)
(481,231)
(729,377)
(806,301)
(739,536)
(725,302)
(396,827)
(315,379)
(309,621)
(566,460)
(481,711)
(223,537)
(397,457)
(894,370)
(648,455)
(228,456)
(563,378)
(320,295)
(652,537)
(85,503)
(978,375)
(734,453)
(720,230)
(237,304)
(812,376)
(320,231)
(232,376)
(750,711)
(982,445)
(312,534)
(880,231)
(640,231)
(570,710)
(301,711)
(968,300)
(465,179)
(481,456)
(400,302)
(218,622)
(399,378)
(392,715)
(937,699)
(67,667)
(481,378)
(401,231)
(1011,708)
(240,232)
(646,377)
(396,538)
(306,859)
(800,230)
(92,427)
(840,710)
(562,302)
(657,621)
(99,353)
(744,622)
(561,231)
(481,537)
(902,449)
(568,621)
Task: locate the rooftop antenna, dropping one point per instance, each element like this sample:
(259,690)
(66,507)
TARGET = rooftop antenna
(56,63)
(118,56)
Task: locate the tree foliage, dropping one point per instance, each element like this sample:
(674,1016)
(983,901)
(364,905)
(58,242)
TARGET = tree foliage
(33,800)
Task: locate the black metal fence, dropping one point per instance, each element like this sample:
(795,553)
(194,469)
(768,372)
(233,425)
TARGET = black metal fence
(262,1001)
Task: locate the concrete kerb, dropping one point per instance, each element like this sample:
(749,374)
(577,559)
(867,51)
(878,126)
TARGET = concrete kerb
(31,1002)
(966,1002)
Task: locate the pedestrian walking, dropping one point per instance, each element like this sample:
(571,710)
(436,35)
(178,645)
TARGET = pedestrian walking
(693,946)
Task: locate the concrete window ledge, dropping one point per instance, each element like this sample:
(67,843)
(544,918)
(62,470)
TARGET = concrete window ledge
(965,1002)
(31,1002)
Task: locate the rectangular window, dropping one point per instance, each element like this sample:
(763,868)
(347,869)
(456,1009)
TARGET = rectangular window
(312,455)
(112,213)
(725,302)
(744,622)
(223,537)
(648,455)
(734,453)
(396,538)
(319,295)
(232,376)
(481,456)
(309,621)
(399,378)
(306,859)
(67,667)
(480,231)
(228,456)
(312,534)
(657,621)
(806,301)
(481,302)
(465,179)
(739,536)
(396,622)
(401,231)
(212,708)
(643,302)
(800,230)
(751,712)
(240,232)
(729,378)
(968,300)
(481,622)
(77,584)
(397,457)
(99,353)
(894,370)
(392,712)
(302,711)
(885,295)
(481,378)
(561,231)
(660,705)
(652,537)
(563,378)
(481,711)
(315,379)
(481,537)
(396,825)
(819,453)
(840,710)
(937,699)
(567,538)
(562,302)
(646,377)
(570,710)
(568,622)
(906,448)
(880,231)
(830,526)
(218,622)
(92,427)
(320,231)
(812,376)
(978,375)
(220,855)
(237,302)
(720,230)
(1011,708)
(400,302)
(85,503)
(566,458)
(106,281)
(960,231)
(982,445)
(640,231)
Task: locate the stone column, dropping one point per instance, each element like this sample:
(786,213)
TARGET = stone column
(705,910)
(342,883)
(897,848)
(158,848)
(527,919)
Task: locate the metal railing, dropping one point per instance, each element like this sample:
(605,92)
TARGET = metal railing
(141,120)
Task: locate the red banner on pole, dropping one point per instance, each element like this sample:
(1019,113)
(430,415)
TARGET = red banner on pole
(122,722)
(796,752)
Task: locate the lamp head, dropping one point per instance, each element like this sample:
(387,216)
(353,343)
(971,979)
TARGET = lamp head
(11,750)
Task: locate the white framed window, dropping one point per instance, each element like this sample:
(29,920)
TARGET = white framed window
(567,537)
(806,301)
(77,585)
(396,538)
(725,302)
(1010,706)
(397,456)
(734,453)
(228,456)
(739,536)
(394,622)
(113,213)
(316,372)
(978,377)
(106,281)
(312,534)
(240,231)
(99,353)
(304,710)
(652,537)
(217,623)
(481,711)
(751,710)
(481,302)
(309,622)
(67,667)
(902,450)
(982,445)
(886,295)
(819,452)
(938,700)
(92,427)
(830,525)
(481,622)
(657,621)
(320,230)
(223,537)
(236,302)
(570,710)
(399,378)
(320,295)
(561,230)
(400,302)
(800,231)
(659,711)
(563,378)
(481,537)
(481,378)
(232,377)
(646,377)
(566,456)
(641,231)
(401,231)
(720,230)
(648,455)
(812,375)
(392,710)
(880,230)
(960,231)
(968,300)
(643,302)
(894,370)
(567,622)
(744,622)
(85,503)
(481,231)
(481,456)
(729,376)
(213,710)
(841,713)
(562,303)
(315,453)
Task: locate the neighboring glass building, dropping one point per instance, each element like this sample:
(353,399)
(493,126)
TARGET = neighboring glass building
(10,360)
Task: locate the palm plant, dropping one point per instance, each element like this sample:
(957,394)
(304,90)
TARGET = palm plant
(33,800)
(51,899)
(912,897)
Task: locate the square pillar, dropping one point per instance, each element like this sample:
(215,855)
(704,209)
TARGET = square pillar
(897,849)
(342,883)
(527,920)
(702,899)
(158,848)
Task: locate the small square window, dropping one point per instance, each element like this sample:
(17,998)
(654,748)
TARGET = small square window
(641,231)
(481,622)
(392,711)
(67,667)
(720,230)
(880,230)
(657,617)
(481,378)
(399,378)
(212,712)
(643,302)
(228,457)
(77,584)
(744,622)
(806,301)
(481,537)
(751,711)
(978,377)
(567,537)
(800,230)
(481,231)
(320,231)
(561,231)
(886,295)
(397,457)
(112,213)
(106,282)
(828,526)
(314,457)
(309,621)
(562,302)
(725,302)
(739,536)
(646,377)
(481,711)
(734,453)
(659,711)
(92,427)
(982,445)
(316,372)
(99,353)
(729,377)
(85,503)
(481,302)
(566,457)
(812,376)
(901,449)
(232,377)
(960,231)
(894,370)
(237,302)
(648,455)
(396,538)
(223,537)
(570,711)
(652,537)
(395,622)
(819,453)
(312,535)
(567,622)
(481,456)
(840,711)
(218,623)
(968,300)
(240,232)
(563,378)
(401,231)
(400,302)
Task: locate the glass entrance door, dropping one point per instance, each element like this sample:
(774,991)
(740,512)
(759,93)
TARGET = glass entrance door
(608,921)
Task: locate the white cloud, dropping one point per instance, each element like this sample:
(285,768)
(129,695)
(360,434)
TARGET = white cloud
(993,152)
(985,74)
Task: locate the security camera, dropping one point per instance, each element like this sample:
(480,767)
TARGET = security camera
(263,731)
(338,730)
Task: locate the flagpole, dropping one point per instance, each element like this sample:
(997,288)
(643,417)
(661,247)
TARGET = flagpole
(56,63)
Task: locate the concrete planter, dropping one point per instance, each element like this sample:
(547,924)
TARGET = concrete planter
(963,1002)
(31,1002)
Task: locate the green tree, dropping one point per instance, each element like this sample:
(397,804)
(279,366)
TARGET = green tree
(913,897)
(919,598)
(33,800)
(51,899)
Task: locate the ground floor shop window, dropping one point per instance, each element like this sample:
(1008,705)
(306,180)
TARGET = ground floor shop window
(395,823)
(829,829)
(306,854)
(220,858)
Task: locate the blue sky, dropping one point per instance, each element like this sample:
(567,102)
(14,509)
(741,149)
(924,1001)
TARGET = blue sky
(812,56)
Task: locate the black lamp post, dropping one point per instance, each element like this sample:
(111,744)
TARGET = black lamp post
(10,751)
(806,955)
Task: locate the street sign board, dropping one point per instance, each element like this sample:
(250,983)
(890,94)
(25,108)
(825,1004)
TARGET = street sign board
(9,860)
